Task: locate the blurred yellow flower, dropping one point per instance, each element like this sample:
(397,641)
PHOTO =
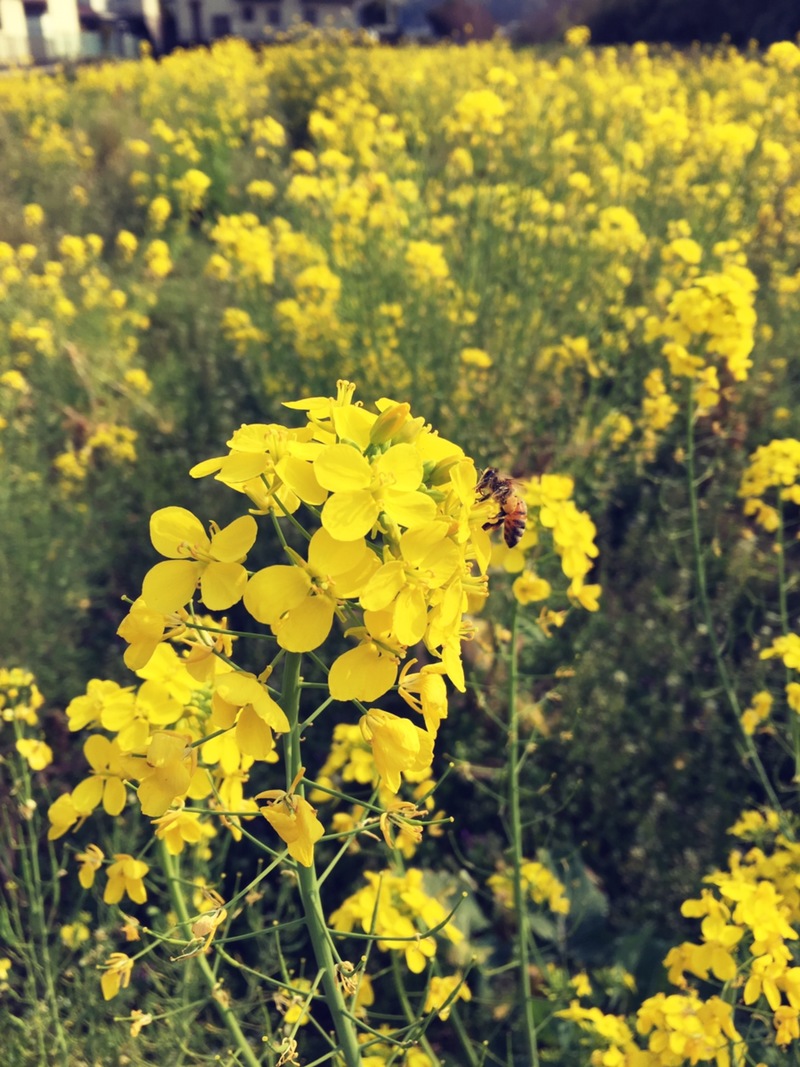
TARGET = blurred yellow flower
(126,876)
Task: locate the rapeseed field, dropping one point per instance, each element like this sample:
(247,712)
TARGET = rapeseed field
(399,501)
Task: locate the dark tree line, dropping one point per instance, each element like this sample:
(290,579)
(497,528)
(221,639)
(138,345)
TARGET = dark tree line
(683,21)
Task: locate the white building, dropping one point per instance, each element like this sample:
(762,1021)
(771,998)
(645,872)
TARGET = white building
(39,30)
(13,32)
(201,21)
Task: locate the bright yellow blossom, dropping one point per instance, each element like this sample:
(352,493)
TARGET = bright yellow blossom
(126,877)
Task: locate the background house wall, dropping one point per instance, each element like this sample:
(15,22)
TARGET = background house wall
(200,21)
(60,30)
(13,32)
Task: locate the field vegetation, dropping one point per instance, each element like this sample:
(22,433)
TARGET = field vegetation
(308,753)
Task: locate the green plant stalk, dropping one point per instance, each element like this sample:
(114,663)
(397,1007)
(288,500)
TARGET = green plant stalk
(169,866)
(307,879)
(705,607)
(783,607)
(408,1010)
(462,1035)
(39,928)
(515,817)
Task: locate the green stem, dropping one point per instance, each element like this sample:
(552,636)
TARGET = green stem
(708,619)
(463,1036)
(36,903)
(515,817)
(170,866)
(411,1016)
(783,607)
(307,880)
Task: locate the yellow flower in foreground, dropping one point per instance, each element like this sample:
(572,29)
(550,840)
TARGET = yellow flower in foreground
(425,691)
(178,828)
(126,875)
(260,714)
(294,820)
(299,602)
(118,968)
(143,629)
(5,967)
(166,772)
(398,746)
(192,556)
(106,784)
(362,489)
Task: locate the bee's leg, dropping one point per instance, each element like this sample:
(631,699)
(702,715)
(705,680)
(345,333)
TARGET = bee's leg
(494,524)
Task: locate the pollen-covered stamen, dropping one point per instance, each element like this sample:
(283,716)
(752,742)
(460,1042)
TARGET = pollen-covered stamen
(195,551)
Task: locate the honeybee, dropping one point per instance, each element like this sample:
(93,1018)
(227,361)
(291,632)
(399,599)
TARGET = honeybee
(513,509)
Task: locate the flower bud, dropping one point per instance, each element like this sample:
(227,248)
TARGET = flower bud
(388,423)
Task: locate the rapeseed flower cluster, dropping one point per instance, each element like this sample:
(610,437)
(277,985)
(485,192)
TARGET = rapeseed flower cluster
(20,701)
(553,523)
(538,882)
(54,309)
(749,919)
(392,907)
(398,559)
(773,474)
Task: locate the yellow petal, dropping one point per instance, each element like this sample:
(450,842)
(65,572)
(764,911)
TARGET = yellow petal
(410,616)
(397,745)
(401,465)
(157,792)
(239,688)
(114,796)
(170,585)
(232,544)
(97,750)
(87,794)
(342,468)
(361,674)
(354,424)
(327,555)
(301,479)
(350,563)
(409,509)
(275,590)
(222,585)
(299,829)
(253,736)
(348,516)
(305,627)
(109,983)
(171,529)
(383,586)
(240,467)
(206,467)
